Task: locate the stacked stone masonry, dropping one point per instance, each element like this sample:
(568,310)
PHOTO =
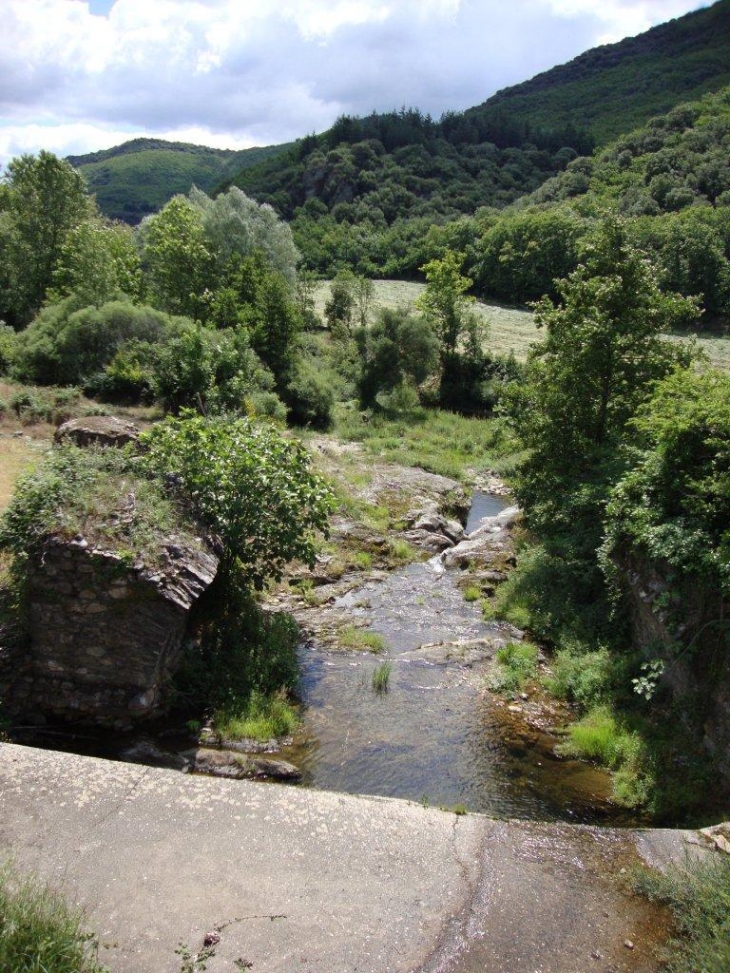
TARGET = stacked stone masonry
(104,635)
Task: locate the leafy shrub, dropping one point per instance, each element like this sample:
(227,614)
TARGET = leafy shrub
(7,347)
(579,676)
(128,376)
(516,665)
(399,348)
(248,484)
(266,405)
(310,396)
(65,346)
(209,370)
(674,505)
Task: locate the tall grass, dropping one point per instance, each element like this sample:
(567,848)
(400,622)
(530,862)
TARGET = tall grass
(261,717)
(39,933)
(381,677)
(436,440)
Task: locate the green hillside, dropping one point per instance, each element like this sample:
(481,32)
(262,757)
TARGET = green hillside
(367,191)
(140,176)
(614,88)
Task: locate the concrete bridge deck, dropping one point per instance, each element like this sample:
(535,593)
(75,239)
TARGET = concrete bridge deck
(292,880)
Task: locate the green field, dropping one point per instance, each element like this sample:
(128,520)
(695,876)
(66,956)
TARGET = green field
(510,329)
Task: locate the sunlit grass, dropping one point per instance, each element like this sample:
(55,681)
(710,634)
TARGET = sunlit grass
(39,933)
(438,441)
(360,639)
(262,718)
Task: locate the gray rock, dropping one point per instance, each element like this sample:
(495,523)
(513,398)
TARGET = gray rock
(97,431)
(145,752)
(240,766)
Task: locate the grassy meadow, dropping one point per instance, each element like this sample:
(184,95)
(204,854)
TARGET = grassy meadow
(510,328)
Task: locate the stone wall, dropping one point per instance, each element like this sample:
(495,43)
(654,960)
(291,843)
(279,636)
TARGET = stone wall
(686,625)
(105,635)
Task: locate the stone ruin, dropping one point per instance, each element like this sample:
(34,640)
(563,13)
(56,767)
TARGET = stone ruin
(104,634)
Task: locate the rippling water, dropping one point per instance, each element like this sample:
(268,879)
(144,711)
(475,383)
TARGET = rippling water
(435,735)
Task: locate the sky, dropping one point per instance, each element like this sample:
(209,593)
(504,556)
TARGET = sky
(81,75)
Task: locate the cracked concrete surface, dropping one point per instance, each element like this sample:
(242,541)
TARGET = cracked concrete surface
(290,879)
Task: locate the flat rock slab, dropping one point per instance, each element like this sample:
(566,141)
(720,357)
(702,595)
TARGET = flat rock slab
(291,879)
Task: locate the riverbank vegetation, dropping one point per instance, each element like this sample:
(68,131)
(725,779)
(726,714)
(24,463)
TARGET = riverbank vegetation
(697,895)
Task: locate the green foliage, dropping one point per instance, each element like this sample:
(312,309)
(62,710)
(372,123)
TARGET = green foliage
(698,894)
(398,348)
(68,346)
(7,348)
(177,258)
(137,178)
(249,485)
(235,225)
(557,593)
(86,491)
(310,396)
(214,371)
(673,505)
(97,263)
(243,662)
(594,368)
(445,301)
(340,307)
(39,933)
(516,666)
(521,254)
(44,200)
(579,676)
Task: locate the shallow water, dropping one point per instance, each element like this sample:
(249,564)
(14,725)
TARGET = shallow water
(435,736)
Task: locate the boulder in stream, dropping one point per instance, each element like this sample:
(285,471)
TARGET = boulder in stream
(240,766)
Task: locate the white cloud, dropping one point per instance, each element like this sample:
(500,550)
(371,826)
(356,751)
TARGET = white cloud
(263,71)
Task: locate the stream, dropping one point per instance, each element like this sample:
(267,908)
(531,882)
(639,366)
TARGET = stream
(435,735)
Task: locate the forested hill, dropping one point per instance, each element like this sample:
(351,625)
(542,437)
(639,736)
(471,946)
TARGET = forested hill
(612,89)
(140,176)
(403,165)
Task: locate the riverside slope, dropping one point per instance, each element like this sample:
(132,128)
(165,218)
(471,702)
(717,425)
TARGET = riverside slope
(284,879)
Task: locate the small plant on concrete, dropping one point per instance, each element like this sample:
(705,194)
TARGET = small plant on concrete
(381,677)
